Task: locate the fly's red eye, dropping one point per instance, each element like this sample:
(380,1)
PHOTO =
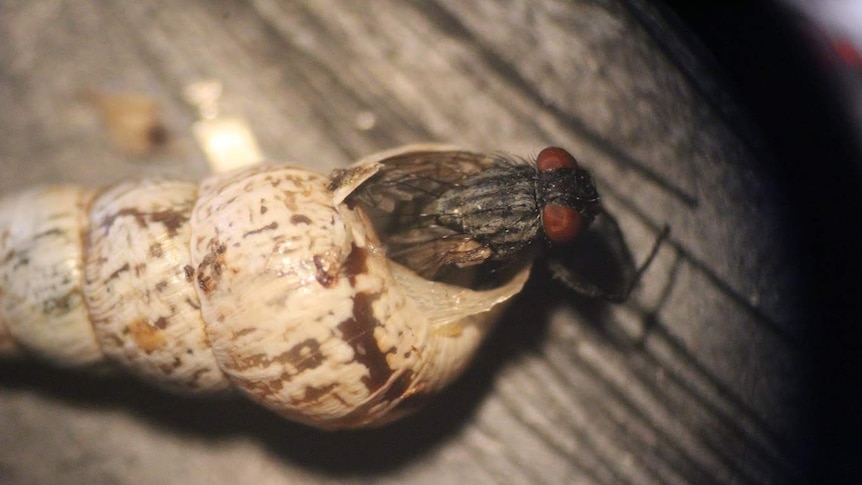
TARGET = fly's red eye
(561,223)
(554,157)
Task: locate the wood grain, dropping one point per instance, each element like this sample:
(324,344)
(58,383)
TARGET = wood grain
(701,378)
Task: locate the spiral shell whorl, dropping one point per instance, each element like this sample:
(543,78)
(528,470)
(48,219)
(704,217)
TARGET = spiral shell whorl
(140,285)
(296,298)
(41,274)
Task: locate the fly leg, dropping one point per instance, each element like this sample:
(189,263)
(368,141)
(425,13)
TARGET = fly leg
(583,284)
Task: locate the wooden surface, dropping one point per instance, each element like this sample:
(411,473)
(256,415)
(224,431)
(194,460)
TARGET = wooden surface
(700,378)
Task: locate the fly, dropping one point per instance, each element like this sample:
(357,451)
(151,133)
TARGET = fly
(443,212)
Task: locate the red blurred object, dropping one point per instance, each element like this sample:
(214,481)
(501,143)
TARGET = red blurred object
(847,52)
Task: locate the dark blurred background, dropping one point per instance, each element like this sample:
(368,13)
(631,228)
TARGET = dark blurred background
(797,70)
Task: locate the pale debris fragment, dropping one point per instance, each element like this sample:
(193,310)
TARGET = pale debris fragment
(227,141)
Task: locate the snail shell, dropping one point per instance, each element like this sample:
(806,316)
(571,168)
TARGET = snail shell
(262,280)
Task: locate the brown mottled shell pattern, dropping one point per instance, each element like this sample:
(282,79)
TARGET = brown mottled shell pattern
(260,280)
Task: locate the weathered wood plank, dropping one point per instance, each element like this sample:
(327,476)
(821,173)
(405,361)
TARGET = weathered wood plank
(699,379)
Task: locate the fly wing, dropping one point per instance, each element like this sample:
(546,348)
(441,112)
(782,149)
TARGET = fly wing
(429,251)
(419,177)
(400,199)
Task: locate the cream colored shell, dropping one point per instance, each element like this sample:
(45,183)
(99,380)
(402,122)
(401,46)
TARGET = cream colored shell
(41,274)
(261,279)
(140,286)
